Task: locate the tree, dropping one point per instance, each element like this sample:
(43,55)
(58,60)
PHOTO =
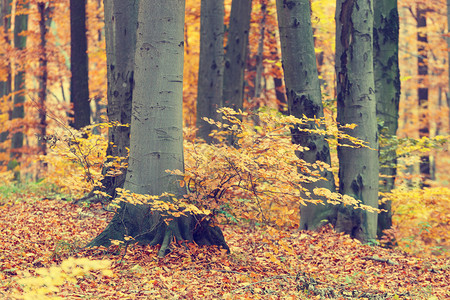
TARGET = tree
(18,112)
(79,82)
(44,22)
(387,94)
(156,143)
(120,35)
(235,54)
(358,167)
(5,83)
(210,71)
(448,59)
(422,89)
(304,98)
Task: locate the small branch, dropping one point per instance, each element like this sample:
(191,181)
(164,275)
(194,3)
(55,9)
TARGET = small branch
(388,261)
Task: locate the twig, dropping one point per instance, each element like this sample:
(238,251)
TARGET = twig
(385,260)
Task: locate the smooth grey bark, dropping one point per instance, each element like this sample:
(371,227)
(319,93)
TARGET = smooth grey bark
(79,82)
(210,71)
(304,98)
(156,134)
(5,86)
(356,103)
(235,54)
(387,94)
(18,112)
(422,90)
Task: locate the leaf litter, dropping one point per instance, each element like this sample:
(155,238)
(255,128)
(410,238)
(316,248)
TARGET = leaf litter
(264,263)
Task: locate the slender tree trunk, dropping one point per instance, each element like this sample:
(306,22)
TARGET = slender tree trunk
(44,11)
(358,167)
(260,53)
(210,72)
(422,91)
(235,54)
(5,86)
(387,94)
(79,83)
(18,113)
(156,134)
(304,98)
(448,62)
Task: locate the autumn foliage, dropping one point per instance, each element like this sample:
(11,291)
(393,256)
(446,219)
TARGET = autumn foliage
(253,189)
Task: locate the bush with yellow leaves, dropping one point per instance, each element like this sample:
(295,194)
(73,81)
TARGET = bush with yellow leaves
(47,282)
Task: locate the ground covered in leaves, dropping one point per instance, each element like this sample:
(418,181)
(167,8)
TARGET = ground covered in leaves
(40,237)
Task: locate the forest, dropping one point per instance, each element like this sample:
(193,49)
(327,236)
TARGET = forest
(224,149)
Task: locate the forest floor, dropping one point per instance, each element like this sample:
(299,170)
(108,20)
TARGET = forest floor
(38,236)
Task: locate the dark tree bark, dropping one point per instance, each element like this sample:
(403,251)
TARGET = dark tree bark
(210,72)
(120,38)
(387,93)
(79,82)
(422,91)
(156,143)
(448,61)
(5,86)
(356,104)
(18,112)
(235,56)
(44,22)
(304,98)
(260,54)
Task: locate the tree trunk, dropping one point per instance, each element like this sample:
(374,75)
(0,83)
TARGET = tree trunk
(260,53)
(210,71)
(156,134)
(79,82)
(18,113)
(304,98)
(44,22)
(120,36)
(422,91)
(448,62)
(5,86)
(387,94)
(358,167)
(235,55)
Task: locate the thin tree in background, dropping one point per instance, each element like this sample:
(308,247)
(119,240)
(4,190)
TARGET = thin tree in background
(235,54)
(448,60)
(210,72)
(356,104)
(387,94)
(44,22)
(79,82)
(18,112)
(156,143)
(5,82)
(260,53)
(422,90)
(305,99)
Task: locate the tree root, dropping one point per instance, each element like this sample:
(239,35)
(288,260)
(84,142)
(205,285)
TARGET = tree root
(147,227)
